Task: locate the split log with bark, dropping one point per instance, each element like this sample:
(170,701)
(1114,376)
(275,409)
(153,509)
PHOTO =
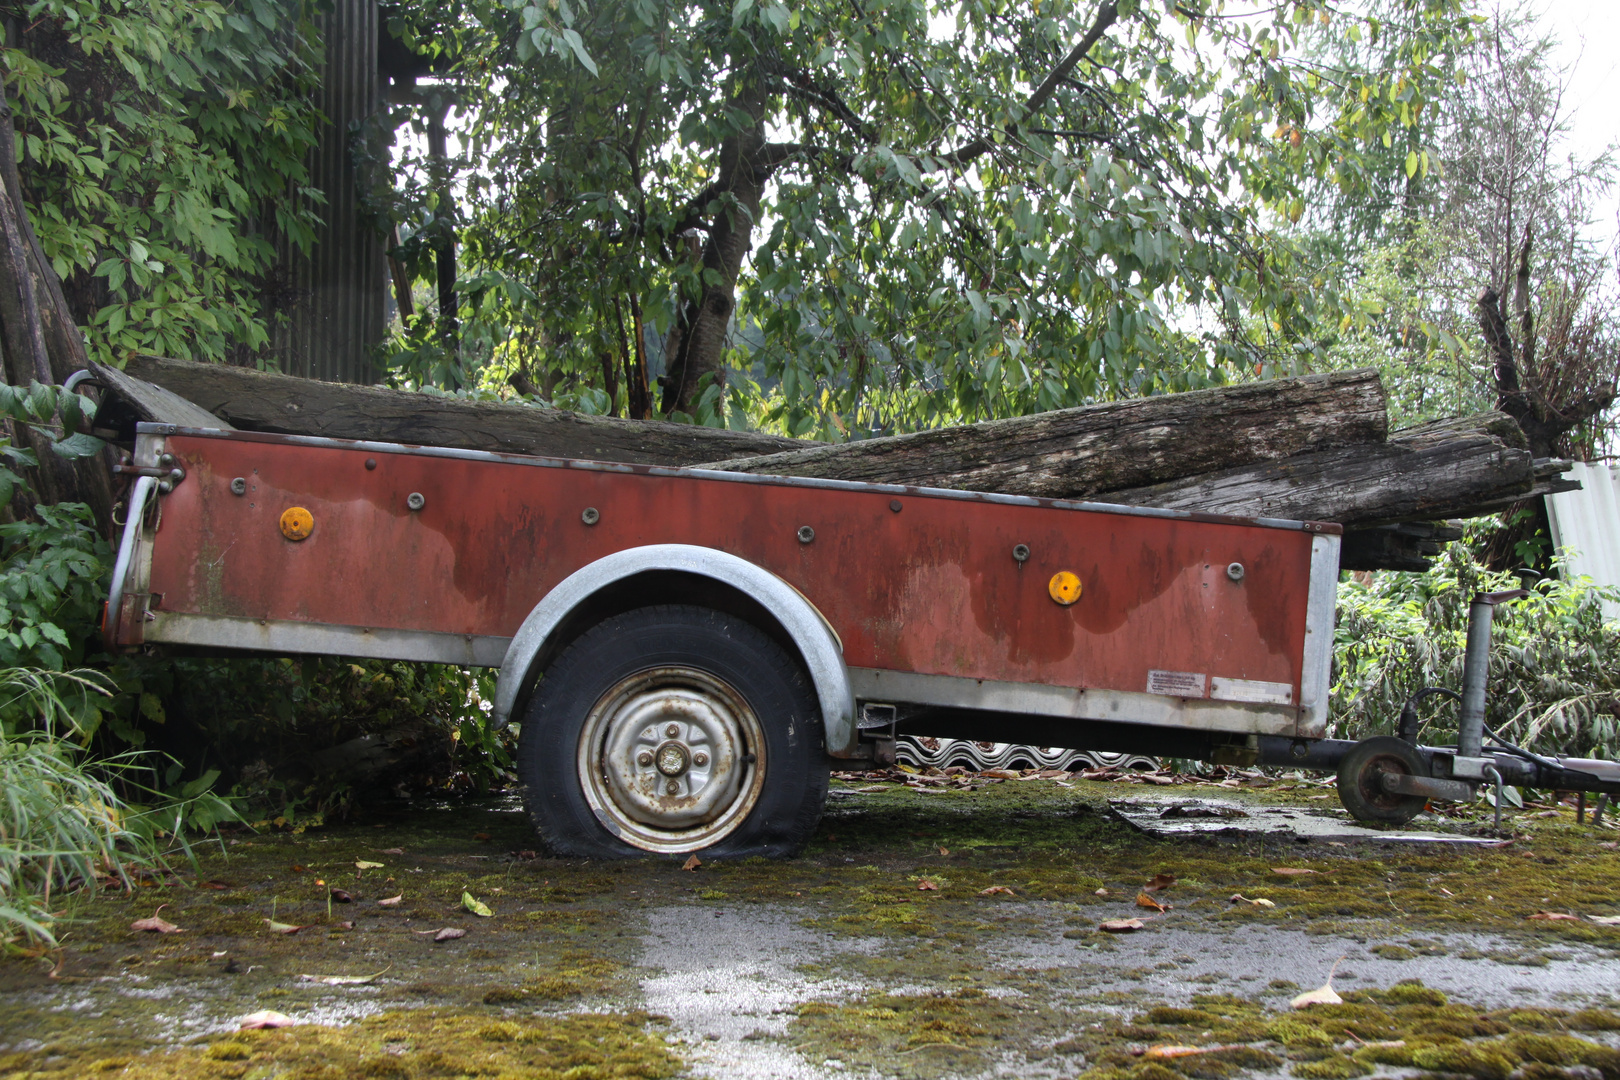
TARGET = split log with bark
(1084,452)
(262,401)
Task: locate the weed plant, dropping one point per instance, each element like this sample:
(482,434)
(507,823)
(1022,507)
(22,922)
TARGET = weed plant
(1555,662)
(61,824)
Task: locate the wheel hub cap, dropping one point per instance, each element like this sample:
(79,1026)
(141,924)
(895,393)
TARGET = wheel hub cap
(668,759)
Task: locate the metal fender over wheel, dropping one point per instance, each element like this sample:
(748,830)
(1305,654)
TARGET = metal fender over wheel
(1361,788)
(674,729)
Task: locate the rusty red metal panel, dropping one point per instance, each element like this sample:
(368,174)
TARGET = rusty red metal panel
(932,588)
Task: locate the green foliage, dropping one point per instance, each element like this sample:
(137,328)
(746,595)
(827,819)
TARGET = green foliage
(52,576)
(1122,240)
(162,149)
(61,826)
(1555,662)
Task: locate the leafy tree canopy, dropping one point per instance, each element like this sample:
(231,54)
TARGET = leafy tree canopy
(840,216)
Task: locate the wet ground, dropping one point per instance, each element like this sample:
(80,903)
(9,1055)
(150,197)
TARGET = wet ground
(925,933)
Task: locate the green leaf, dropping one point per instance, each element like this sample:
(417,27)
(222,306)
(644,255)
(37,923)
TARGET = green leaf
(577,43)
(78,446)
(477,907)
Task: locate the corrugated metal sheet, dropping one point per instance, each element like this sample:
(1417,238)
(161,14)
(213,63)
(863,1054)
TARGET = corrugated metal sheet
(1586,524)
(335,309)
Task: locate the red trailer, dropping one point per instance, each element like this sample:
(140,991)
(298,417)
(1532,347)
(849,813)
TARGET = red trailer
(687,652)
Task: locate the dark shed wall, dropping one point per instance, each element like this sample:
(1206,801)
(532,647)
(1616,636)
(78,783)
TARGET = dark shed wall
(336,312)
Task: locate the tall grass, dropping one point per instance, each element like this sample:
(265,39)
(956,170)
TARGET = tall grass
(62,826)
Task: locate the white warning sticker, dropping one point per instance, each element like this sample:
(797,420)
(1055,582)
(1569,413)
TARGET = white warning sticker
(1177,683)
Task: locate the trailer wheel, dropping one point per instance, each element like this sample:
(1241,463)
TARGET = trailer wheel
(672,730)
(1361,789)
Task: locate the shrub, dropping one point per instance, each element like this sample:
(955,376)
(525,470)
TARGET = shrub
(1555,662)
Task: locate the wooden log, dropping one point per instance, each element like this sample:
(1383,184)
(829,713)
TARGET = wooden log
(259,401)
(1080,453)
(1446,469)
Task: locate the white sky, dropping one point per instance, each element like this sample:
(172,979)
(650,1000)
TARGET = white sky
(1588,33)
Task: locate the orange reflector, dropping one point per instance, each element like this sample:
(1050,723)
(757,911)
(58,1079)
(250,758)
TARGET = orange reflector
(297,523)
(1064,587)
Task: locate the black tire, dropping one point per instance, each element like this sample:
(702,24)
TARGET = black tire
(597,780)
(1360,787)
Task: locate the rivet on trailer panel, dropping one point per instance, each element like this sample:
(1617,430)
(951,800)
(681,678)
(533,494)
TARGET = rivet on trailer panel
(1235,571)
(806,534)
(371,463)
(590,515)
(416,500)
(239,486)
(894,504)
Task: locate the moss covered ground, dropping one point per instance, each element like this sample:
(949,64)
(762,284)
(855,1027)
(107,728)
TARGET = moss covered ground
(958,930)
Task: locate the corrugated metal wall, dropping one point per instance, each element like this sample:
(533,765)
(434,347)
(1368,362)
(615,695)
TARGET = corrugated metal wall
(1587,523)
(334,307)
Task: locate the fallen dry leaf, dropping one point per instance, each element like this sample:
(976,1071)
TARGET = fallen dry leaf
(1172,1051)
(265,1018)
(392,851)
(927,886)
(281,927)
(1144,900)
(1121,926)
(1555,916)
(1160,881)
(155,924)
(1605,920)
(391,901)
(1322,995)
(342,896)
(1100,892)
(997,890)
(692,864)
(346,980)
(364,864)
(450,933)
(944,851)
(1292,871)
(213,885)
(1258,901)
(297,869)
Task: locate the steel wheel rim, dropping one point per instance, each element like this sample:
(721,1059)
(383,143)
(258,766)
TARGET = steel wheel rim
(671,760)
(1370,782)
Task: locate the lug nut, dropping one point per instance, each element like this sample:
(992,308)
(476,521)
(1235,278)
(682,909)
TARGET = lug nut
(700,759)
(672,730)
(644,758)
(673,787)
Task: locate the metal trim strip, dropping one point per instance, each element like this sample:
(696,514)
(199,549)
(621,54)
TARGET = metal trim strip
(1039,699)
(288,636)
(1322,527)
(1316,665)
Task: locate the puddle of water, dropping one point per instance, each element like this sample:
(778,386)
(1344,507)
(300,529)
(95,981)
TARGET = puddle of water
(1181,816)
(728,980)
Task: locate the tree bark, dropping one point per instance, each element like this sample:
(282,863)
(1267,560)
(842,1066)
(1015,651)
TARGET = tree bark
(1446,469)
(41,340)
(259,401)
(695,345)
(1083,452)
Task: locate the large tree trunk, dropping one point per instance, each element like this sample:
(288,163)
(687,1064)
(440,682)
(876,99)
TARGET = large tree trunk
(1083,452)
(258,401)
(41,342)
(695,345)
